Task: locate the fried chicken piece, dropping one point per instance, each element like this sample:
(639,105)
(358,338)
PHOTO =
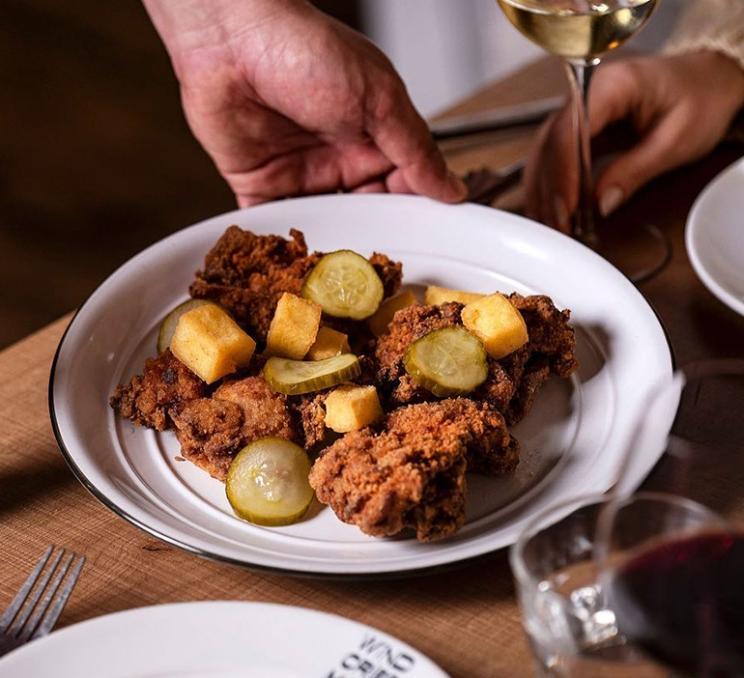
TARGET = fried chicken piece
(310,413)
(213,430)
(239,254)
(390,272)
(414,322)
(210,433)
(504,377)
(247,273)
(491,449)
(265,412)
(536,373)
(408,325)
(549,331)
(551,339)
(165,383)
(410,471)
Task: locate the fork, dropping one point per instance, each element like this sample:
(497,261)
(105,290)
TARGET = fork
(39,602)
(485,185)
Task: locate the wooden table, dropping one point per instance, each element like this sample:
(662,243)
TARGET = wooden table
(467,619)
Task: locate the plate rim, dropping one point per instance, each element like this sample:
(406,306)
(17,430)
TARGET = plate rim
(692,229)
(222,603)
(455,563)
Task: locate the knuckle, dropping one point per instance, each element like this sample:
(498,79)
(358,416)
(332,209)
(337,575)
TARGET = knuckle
(388,96)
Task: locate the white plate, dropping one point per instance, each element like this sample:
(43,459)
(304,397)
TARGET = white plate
(574,439)
(715,237)
(217,640)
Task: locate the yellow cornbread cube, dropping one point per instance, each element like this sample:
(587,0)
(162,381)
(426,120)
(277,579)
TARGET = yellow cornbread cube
(439,295)
(495,321)
(210,343)
(328,344)
(382,317)
(351,407)
(293,328)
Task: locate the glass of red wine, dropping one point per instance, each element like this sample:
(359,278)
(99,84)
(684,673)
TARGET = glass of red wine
(649,584)
(673,581)
(671,568)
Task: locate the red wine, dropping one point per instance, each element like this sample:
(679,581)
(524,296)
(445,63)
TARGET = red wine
(683,603)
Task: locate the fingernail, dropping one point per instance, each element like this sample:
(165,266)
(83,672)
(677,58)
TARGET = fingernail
(610,200)
(560,211)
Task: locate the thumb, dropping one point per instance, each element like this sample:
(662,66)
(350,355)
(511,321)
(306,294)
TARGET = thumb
(656,153)
(404,138)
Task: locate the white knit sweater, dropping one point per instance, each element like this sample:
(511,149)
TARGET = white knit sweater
(715,25)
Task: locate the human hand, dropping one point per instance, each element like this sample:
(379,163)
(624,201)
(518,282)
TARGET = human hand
(288,101)
(679,106)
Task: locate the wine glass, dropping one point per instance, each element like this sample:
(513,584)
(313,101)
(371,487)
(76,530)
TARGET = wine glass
(577,630)
(670,568)
(581,32)
(637,583)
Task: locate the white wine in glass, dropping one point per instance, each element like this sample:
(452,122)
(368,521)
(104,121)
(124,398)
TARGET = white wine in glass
(578,29)
(581,31)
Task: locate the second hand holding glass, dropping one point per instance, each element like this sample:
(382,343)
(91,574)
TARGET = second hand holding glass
(580,32)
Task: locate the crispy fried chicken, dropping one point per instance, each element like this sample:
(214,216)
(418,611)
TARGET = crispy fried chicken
(550,334)
(410,471)
(212,431)
(407,471)
(551,343)
(247,273)
(390,272)
(164,383)
(310,414)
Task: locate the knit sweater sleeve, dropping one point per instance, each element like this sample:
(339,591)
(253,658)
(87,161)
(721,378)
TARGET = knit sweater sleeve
(714,25)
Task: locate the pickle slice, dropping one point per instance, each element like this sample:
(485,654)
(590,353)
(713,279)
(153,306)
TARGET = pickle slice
(295,377)
(447,362)
(267,482)
(345,285)
(168,326)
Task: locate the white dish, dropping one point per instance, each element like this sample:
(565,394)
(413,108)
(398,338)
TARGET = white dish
(216,640)
(574,439)
(715,236)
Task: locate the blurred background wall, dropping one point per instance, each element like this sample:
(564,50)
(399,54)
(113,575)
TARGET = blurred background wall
(96,161)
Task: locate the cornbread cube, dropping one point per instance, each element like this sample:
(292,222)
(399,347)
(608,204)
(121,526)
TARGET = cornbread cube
(351,407)
(328,344)
(210,343)
(495,321)
(293,328)
(440,295)
(382,317)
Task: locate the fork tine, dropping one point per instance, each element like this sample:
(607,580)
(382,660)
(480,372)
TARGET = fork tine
(50,618)
(33,597)
(43,604)
(12,610)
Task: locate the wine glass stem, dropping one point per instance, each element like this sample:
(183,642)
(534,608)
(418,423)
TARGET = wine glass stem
(580,76)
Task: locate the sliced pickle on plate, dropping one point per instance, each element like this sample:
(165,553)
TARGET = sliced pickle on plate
(447,362)
(267,482)
(295,377)
(345,285)
(168,326)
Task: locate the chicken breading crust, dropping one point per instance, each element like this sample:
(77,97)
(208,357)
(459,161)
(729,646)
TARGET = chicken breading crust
(164,383)
(410,471)
(551,343)
(247,273)
(213,430)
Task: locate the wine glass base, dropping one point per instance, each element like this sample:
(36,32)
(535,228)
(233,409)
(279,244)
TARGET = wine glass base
(639,251)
